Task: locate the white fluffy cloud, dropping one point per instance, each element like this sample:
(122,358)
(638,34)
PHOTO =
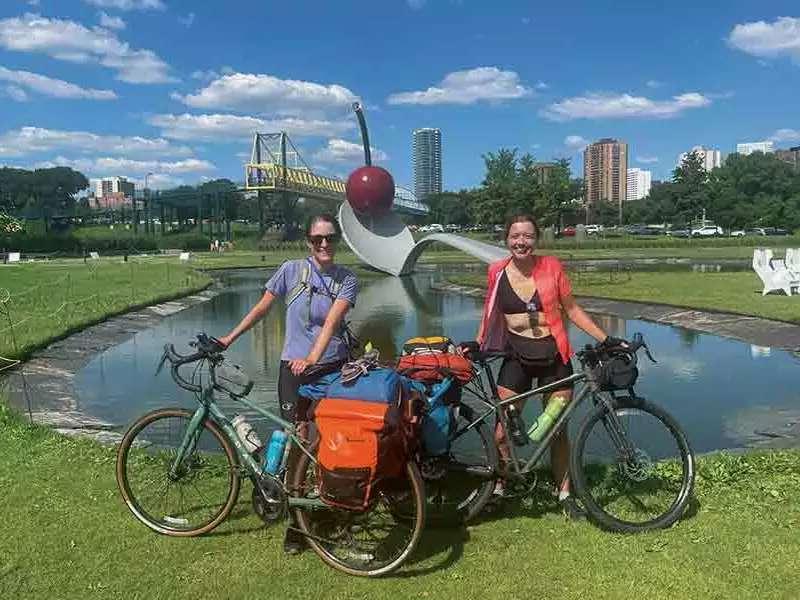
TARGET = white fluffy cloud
(342,151)
(110,22)
(262,93)
(105,165)
(128,4)
(785,136)
(575,143)
(187,21)
(32,140)
(768,40)
(217,127)
(16,93)
(70,41)
(619,106)
(468,87)
(56,88)
(416,4)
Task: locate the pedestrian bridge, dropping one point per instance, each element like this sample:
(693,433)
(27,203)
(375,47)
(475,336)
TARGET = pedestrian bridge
(276,165)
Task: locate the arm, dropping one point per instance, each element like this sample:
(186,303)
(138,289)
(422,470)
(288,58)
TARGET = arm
(251,318)
(579,316)
(332,322)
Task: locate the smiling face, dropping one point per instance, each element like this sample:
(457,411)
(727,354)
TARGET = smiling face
(321,241)
(521,239)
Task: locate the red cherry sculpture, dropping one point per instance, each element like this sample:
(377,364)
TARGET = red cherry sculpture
(370,190)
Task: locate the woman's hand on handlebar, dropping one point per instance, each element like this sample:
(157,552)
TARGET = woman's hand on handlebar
(467,348)
(225,341)
(614,342)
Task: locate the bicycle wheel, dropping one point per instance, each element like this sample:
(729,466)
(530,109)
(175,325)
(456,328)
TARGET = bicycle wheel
(460,484)
(194,500)
(634,471)
(370,543)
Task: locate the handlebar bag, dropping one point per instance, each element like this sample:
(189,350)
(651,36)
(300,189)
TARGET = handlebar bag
(619,372)
(363,438)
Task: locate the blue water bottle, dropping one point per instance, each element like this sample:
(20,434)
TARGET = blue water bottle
(274,454)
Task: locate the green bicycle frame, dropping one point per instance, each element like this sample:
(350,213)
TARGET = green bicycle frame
(209,409)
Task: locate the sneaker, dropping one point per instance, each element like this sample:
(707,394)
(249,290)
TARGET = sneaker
(294,542)
(571,509)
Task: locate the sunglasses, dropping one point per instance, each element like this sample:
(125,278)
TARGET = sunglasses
(317,239)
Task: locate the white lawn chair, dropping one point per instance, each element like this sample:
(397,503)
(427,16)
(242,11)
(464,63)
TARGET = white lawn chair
(773,273)
(13,257)
(185,257)
(792,261)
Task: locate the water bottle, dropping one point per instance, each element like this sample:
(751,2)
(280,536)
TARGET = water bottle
(545,421)
(274,454)
(516,426)
(246,433)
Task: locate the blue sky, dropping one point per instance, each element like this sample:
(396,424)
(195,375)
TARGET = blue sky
(173,87)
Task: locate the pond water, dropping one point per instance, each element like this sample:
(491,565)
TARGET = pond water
(724,393)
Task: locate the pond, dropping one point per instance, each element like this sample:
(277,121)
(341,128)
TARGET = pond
(725,393)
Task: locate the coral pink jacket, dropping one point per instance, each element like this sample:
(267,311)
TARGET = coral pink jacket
(552,284)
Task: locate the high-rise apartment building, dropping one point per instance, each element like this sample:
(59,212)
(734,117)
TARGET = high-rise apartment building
(791,156)
(543,171)
(750,147)
(427,151)
(113,192)
(639,183)
(710,157)
(605,171)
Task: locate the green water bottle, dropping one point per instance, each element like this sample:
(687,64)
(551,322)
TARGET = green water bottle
(545,421)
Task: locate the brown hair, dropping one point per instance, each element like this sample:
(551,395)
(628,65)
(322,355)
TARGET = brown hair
(521,218)
(324,218)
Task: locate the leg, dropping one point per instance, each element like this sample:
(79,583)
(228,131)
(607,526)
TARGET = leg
(499,430)
(290,401)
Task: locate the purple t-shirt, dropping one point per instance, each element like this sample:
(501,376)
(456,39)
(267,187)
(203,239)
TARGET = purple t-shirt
(301,331)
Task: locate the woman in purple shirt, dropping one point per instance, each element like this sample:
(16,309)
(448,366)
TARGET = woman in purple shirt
(318,294)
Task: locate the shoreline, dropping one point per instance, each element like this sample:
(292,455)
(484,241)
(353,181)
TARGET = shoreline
(750,329)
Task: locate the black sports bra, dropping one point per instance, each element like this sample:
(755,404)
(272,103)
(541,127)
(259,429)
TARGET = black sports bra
(509,301)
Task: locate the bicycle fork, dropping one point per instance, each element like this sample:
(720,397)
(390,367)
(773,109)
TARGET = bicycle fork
(189,442)
(616,431)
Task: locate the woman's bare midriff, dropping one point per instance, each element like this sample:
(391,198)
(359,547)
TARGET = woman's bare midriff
(531,325)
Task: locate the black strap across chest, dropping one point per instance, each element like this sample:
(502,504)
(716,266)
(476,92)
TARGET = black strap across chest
(509,301)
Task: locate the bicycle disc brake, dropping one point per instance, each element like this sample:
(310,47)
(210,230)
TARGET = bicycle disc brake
(638,467)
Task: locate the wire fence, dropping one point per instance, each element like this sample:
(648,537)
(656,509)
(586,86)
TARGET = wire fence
(35,312)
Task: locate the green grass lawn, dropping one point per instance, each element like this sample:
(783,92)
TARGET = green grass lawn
(45,301)
(736,292)
(65,533)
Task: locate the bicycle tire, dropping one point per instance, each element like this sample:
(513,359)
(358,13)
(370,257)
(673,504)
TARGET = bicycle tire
(417,487)
(471,505)
(134,504)
(580,480)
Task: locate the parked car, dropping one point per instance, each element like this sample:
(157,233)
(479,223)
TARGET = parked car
(707,231)
(738,233)
(680,233)
(775,231)
(643,230)
(451,227)
(568,231)
(756,231)
(594,229)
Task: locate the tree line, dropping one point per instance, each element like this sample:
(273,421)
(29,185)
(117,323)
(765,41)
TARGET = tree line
(746,191)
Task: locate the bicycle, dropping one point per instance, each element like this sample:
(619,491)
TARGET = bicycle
(179,473)
(644,483)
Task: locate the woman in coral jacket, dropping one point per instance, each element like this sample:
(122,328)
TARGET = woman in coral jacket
(522,316)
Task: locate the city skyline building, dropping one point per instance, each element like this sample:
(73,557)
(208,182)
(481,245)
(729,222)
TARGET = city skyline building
(639,184)
(711,157)
(113,192)
(605,171)
(747,148)
(791,156)
(427,161)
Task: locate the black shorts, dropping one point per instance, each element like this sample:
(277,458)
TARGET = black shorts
(294,407)
(518,377)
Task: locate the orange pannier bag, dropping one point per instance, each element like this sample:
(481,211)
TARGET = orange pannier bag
(362,442)
(436,366)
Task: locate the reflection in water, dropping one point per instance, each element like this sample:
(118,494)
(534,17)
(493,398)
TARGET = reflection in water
(704,381)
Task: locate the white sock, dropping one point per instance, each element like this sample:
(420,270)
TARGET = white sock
(562,495)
